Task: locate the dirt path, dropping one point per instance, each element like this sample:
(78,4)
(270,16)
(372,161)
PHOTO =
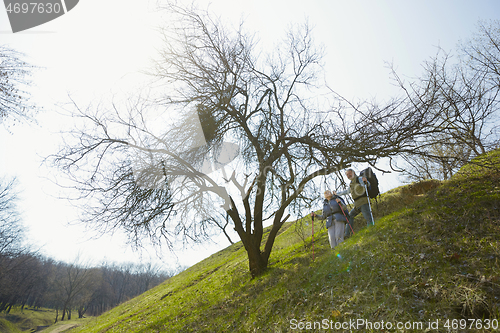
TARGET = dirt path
(59,329)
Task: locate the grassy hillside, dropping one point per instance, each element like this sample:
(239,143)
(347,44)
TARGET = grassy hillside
(34,320)
(25,320)
(430,257)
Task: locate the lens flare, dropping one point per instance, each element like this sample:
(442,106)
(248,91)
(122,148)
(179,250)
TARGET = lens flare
(346,267)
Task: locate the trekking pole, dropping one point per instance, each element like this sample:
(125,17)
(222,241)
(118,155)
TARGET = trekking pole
(369,205)
(347,219)
(312,217)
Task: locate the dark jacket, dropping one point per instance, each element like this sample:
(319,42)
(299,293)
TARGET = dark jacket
(332,211)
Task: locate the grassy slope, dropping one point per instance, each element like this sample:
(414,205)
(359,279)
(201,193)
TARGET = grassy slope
(429,257)
(25,320)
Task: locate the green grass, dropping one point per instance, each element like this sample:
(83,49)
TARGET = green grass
(432,256)
(8,327)
(24,320)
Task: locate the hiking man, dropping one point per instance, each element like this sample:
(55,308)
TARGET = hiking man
(357,190)
(335,220)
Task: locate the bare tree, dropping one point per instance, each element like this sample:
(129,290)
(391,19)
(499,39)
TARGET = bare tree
(251,134)
(465,96)
(75,283)
(11,229)
(481,53)
(14,99)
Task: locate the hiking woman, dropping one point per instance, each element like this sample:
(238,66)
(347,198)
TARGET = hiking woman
(335,220)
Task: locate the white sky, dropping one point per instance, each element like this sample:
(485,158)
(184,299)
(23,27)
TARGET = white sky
(101,46)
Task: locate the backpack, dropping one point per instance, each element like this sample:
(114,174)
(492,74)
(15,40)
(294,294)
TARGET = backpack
(373,189)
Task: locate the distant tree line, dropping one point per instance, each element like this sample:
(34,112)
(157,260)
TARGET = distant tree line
(29,279)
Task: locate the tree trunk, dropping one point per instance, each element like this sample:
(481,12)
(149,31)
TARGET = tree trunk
(64,311)
(81,311)
(257,260)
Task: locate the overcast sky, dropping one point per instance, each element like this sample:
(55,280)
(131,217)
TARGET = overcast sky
(100,48)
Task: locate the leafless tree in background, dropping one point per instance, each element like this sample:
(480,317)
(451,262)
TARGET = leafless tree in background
(11,229)
(465,96)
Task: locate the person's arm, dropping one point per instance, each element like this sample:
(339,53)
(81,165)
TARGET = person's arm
(319,217)
(348,191)
(342,205)
(340,200)
(325,214)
